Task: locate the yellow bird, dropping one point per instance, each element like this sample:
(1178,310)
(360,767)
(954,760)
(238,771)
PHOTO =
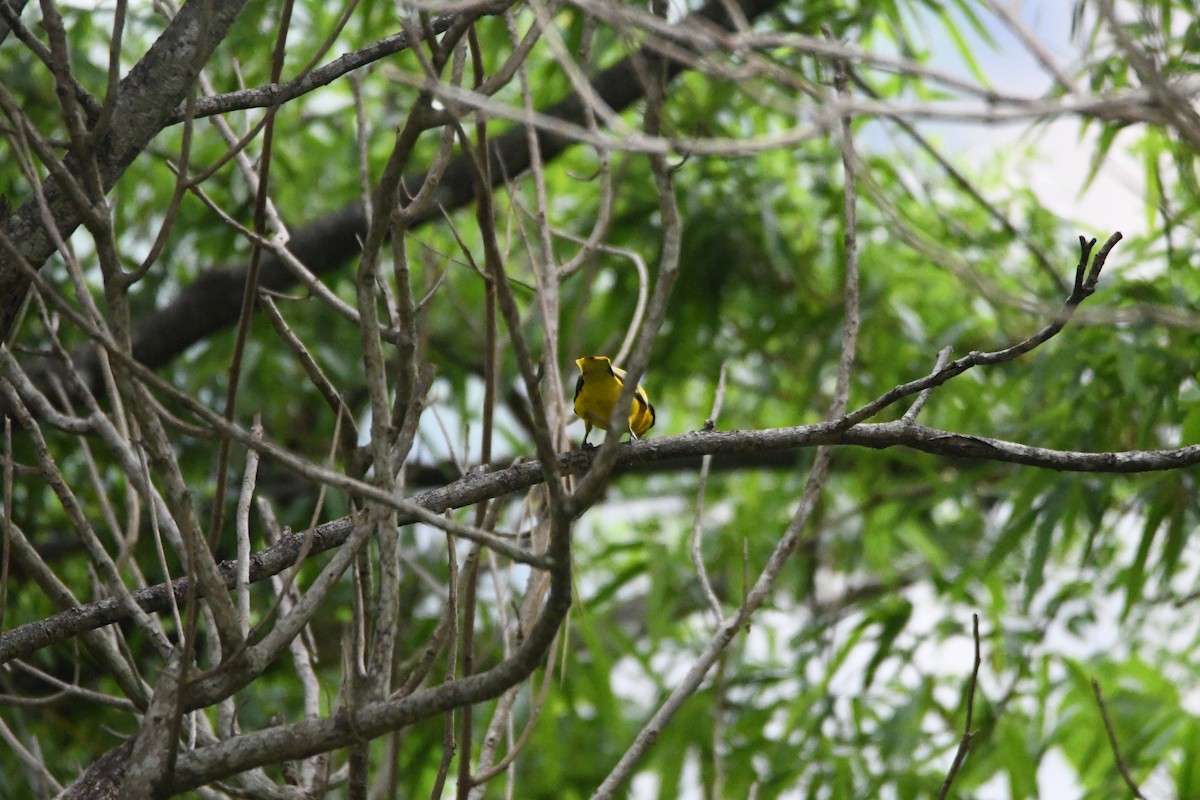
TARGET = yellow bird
(596,394)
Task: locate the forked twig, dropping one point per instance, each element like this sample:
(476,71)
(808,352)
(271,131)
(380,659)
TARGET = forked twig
(1085,286)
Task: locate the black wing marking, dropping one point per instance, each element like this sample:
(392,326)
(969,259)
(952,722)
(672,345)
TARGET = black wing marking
(578,386)
(640,398)
(649,408)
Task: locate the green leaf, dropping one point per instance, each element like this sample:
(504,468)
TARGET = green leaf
(892,620)
(1135,576)
(1187,773)
(1104,143)
(1048,523)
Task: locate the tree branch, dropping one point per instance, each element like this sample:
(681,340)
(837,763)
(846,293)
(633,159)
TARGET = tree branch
(964,745)
(146,99)
(476,487)
(1112,741)
(1085,285)
(276,94)
(210,303)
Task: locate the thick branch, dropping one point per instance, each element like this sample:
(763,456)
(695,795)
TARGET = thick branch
(145,101)
(102,780)
(276,94)
(368,721)
(474,488)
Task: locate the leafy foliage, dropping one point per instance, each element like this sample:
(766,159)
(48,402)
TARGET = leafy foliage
(849,682)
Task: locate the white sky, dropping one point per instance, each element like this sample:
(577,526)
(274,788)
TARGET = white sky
(1114,200)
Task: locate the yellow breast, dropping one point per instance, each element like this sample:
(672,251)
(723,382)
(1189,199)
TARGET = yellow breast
(596,394)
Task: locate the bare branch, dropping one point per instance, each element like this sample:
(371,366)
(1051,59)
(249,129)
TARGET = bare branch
(277,94)
(245,497)
(1085,285)
(964,745)
(210,303)
(1122,767)
(477,486)
(923,397)
(698,515)
(154,86)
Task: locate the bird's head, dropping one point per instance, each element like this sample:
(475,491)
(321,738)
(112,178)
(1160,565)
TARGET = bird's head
(589,364)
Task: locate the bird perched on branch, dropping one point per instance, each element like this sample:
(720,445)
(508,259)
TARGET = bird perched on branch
(596,394)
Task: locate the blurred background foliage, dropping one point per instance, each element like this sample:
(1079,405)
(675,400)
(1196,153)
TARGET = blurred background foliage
(851,683)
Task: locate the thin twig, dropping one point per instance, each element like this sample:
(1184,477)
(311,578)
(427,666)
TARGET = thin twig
(66,689)
(1085,285)
(1122,767)
(156,530)
(720,719)
(850,239)
(537,703)
(263,211)
(448,744)
(348,439)
(6,517)
(923,397)
(303,650)
(964,745)
(1009,15)
(487,226)
(698,515)
(242,518)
